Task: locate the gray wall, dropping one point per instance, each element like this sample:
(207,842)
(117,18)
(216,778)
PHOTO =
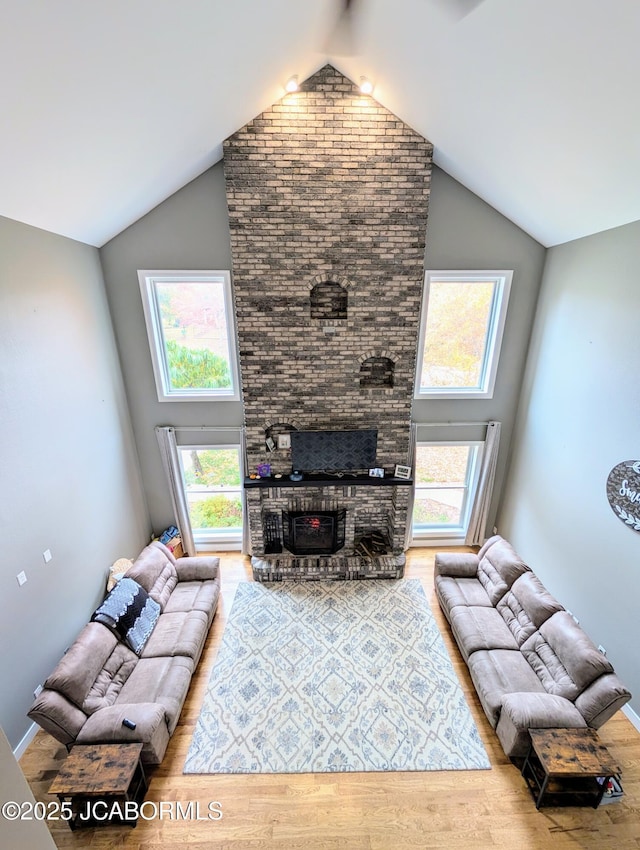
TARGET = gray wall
(464,232)
(70,479)
(191,231)
(578,418)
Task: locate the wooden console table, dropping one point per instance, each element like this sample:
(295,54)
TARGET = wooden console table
(567,767)
(102,774)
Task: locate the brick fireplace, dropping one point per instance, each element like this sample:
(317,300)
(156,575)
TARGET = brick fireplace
(328,197)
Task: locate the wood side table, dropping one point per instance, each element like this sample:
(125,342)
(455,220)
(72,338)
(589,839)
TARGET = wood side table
(568,767)
(103,774)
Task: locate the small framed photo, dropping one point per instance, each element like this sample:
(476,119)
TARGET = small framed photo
(402,471)
(284,441)
(270,444)
(377,472)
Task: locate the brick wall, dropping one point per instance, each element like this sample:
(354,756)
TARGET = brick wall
(328,197)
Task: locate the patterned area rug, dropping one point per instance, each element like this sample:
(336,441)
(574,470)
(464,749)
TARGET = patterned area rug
(315,677)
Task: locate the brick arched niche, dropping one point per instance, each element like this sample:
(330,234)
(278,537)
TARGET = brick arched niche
(329,299)
(377,371)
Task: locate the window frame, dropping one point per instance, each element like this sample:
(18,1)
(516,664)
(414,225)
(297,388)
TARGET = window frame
(493,338)
(148,279)
(447,533)
(203,538)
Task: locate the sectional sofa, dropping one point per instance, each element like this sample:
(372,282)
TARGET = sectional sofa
(531,664)
(125,678)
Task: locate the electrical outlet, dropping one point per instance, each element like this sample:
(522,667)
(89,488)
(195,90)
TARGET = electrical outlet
(602,649)
(47,556)
(22,578)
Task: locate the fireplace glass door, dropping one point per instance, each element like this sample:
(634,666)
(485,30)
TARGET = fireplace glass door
(313,533)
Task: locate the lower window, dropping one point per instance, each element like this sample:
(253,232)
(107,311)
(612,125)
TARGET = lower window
(446,477)
(212,484)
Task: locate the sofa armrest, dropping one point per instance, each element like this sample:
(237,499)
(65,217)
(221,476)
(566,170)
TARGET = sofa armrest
(523,711)
(57,715)
(601,699)
(458,564)
(197,568)
(152,730)
(105,725)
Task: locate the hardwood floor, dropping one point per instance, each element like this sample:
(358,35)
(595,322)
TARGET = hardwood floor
(360,811)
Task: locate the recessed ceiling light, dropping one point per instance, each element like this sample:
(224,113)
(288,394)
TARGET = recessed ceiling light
(366,86)
(292,84)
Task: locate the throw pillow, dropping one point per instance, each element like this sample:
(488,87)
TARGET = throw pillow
(130,613)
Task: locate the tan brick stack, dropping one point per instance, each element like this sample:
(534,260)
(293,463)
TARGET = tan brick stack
(328,197)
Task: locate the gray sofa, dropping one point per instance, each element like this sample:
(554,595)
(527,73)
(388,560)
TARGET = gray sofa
(530,662)
(101,682)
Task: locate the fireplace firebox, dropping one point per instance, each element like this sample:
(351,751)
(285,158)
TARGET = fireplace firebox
(314,532)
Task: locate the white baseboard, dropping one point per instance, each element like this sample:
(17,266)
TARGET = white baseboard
(631,715)
(28,737)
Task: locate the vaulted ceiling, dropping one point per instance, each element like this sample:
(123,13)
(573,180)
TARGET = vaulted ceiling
(109,108)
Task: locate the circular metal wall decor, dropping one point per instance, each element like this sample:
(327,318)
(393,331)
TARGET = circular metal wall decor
(623,492)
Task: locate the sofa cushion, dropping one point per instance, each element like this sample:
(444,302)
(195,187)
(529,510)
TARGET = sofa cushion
(460,591)
(79,666)
(563,657)
(110,679)
(178,633)
(499,567)
(155,570)
(498,672)
(130,612)
(526,606)
(194,596)
(488,543)
(159,680)
(476,627)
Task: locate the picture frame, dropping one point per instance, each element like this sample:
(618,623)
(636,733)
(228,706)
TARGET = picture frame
(284,441)
(376,472)
(403,472)
(270,444)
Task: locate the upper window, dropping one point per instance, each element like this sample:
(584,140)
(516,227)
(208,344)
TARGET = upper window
(189,320)
(463,318)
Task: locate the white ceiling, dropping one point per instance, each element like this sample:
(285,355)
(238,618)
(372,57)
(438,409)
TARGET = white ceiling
(108,108)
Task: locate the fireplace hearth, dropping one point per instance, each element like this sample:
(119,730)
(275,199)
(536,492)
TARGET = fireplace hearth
(312,530)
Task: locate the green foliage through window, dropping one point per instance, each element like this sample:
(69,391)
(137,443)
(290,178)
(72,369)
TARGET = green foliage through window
(196,368)
(218,511)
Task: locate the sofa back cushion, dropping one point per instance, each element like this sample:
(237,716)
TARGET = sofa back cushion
(110,679)
(155,570)
(487,544)
(79,666)
(564,658)
(498,568)
(526,606)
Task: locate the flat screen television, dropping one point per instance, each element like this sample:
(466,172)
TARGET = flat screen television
(334,451)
